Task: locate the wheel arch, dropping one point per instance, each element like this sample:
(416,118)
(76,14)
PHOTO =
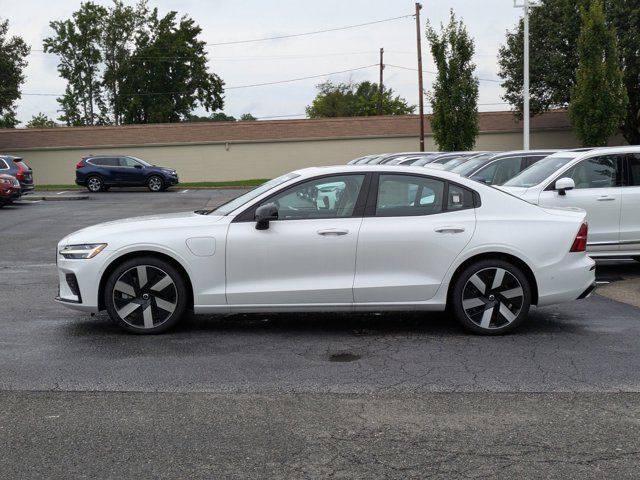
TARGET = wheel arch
(500,256)
(143,253)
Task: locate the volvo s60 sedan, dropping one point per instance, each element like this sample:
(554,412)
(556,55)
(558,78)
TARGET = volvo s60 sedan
(391,238)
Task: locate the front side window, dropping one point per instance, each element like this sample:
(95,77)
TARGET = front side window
(597,172)
(634,169)
(402,195)
(128,162)
(327,197)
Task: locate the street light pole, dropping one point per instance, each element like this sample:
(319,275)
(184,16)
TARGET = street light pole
(420,87)
(526,5)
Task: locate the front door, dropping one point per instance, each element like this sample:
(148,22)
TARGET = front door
(598,192)
(415,228)
(130,172)
(307,256)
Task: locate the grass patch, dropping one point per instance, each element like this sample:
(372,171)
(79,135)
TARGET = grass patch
(232,183)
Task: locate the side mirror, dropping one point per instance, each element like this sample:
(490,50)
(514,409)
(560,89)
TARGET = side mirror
(137,166)
(264,214)
(565,184)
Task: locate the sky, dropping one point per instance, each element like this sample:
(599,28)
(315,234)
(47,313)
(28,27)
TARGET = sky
(290,58)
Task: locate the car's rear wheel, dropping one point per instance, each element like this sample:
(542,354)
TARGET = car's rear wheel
(146,295)
(94,184)
(155,183)
(491,297)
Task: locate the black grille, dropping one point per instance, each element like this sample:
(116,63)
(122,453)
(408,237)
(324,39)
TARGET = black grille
(72,281)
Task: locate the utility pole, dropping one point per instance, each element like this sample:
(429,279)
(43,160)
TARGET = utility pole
(526,6)
(420,88)
(381,81)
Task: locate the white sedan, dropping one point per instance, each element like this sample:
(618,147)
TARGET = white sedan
(604,182)
(396,238)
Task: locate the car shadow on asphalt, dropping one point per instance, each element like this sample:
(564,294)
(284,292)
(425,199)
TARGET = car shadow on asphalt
(330,324)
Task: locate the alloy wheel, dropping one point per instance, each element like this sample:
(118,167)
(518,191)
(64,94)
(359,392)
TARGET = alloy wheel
(492,298)
(145,296)
(155,184)
(94,184)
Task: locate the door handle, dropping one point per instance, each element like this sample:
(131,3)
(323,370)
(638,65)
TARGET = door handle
(449,229)
(332,232)
(606,198)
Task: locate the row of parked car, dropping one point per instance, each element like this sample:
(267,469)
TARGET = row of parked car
(16,179)
(605,182)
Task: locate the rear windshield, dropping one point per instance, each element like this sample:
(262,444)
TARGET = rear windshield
(468,167)
(538,172)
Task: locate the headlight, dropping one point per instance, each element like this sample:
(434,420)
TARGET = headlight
(82,251)
(5,180)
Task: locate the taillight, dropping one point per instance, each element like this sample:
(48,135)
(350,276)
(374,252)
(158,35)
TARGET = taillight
(20,174)
(80,164)
(580,243)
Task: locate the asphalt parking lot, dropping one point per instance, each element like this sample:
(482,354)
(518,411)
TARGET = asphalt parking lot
(302,396)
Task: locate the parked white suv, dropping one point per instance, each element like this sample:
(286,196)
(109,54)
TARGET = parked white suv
(605,182)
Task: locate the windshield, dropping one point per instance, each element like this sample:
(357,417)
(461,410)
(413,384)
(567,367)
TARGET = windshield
(237,202)
(470,166)
(538,172)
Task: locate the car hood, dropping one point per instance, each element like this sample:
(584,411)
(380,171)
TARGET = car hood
(104,232)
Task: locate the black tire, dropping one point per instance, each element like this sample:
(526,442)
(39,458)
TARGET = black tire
(155,183)
(136,306)
(494,311)
(94,184)
(105,189)
(637,259)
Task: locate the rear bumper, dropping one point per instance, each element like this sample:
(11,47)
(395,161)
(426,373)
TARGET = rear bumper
(587,293)
(569,280)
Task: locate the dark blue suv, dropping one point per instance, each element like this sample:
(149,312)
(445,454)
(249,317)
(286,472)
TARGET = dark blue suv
(100,172)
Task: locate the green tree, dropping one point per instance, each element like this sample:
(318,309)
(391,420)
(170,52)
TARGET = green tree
(355,100)
(598,99)
(167,77)
(454,100)
(13,61)
(554,31)
(119,29)
(247,117)
(214,117)
(77,42)
(41,121)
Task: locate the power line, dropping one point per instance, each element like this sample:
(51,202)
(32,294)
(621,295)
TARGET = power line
(226,88)
(310,33)
(435,73)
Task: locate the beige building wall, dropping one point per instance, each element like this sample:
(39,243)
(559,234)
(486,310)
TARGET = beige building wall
(221,161)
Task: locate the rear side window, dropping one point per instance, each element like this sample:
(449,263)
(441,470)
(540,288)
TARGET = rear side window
(500,171)
(459,198)
(403,195)
(634,169)
(105,162)
(3,165)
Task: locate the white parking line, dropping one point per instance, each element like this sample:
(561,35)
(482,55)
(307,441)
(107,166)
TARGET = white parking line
(184,191)
(60,193)
(602,283)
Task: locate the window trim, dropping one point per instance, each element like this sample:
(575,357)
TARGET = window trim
(248,214)
(551,186)
(372,199)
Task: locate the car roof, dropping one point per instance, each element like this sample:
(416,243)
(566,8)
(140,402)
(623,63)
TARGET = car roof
(351,169)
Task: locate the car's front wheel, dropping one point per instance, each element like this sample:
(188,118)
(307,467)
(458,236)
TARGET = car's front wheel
(146,295)
(95,184)
(491,297)
(155,183)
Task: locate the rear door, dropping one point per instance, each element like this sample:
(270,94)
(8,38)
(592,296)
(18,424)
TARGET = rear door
(414,228)
(630,210)
(598,191)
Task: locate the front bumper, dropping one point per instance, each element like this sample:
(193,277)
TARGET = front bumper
(77,285)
